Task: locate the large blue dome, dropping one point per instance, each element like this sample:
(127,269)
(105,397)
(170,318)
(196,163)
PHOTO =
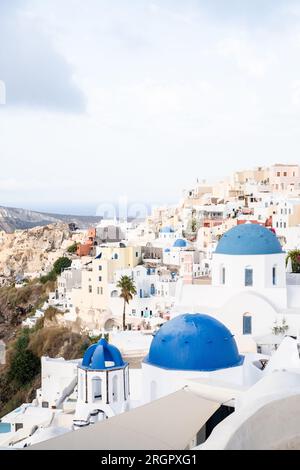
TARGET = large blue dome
(193,342)
(180,243)
(249,239)
(102,355)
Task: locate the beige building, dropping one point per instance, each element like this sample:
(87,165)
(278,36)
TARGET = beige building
(257,175)
(97,285)
(209,235)
(194,195)
(285,178)
(227,189)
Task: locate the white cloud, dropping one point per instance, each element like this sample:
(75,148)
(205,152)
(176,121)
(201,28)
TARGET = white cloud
(172,90)
(245,56)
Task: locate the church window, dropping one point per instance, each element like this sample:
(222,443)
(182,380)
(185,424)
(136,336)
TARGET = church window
(97,388)
(248,276)
(223,275)
(247,324)
(274,276)
(115,388)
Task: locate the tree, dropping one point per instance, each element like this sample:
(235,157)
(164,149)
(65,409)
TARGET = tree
(294,256)
(24,365)
(72,248)
(61,264)
(194,225)
(128,290)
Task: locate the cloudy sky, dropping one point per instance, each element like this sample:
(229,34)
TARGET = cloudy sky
(138,97)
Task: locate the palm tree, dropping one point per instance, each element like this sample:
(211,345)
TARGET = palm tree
(294,256)
(128,290)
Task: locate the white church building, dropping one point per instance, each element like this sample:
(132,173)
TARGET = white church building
(250,290)
(193,381)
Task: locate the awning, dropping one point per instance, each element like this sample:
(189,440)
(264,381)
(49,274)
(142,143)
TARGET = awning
(168,423)
(216,389)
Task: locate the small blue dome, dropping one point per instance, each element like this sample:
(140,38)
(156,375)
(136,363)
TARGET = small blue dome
(180,243)
(194,341)
(99,354)
(166,230)
(167,250)
(249,239)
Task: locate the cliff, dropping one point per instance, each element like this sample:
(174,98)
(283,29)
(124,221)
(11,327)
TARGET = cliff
(34,250)
(12,219)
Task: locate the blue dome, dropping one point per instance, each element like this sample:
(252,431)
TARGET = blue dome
(249,239)
(180,243)
(99,354)
(166,230)
(193,342)
(167,250)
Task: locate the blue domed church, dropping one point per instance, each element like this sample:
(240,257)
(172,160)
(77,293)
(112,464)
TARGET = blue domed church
(103,384)
(189,346)
(248,292)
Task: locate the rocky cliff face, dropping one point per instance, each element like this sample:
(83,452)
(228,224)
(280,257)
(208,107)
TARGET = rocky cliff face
(12,219)
(34,250)
(15,219)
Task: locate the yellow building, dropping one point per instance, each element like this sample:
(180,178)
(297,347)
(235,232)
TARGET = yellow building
(98,276)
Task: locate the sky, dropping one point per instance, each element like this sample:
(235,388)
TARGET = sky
(138,98)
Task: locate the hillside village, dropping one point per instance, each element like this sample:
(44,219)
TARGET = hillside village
(125,282)
(173,245)
(171,248)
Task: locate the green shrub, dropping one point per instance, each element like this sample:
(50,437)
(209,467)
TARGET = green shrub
(48,277)
(95,339)
(61,264)
(58,341)
(24,365)
(72,248)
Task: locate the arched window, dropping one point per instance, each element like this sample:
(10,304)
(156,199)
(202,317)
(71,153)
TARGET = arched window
(81,387)
(223,275)
(248,276)
(114,293)
(115,388)
(116,256)
(274,275)
(97,388)
(153,390)
(247,324)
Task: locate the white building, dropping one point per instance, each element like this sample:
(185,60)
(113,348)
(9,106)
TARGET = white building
(193,346)
(250,291)
(69,279)
(167,236)
(172,254)
(193,381)
(103,384)
(31,321)
(287,215)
